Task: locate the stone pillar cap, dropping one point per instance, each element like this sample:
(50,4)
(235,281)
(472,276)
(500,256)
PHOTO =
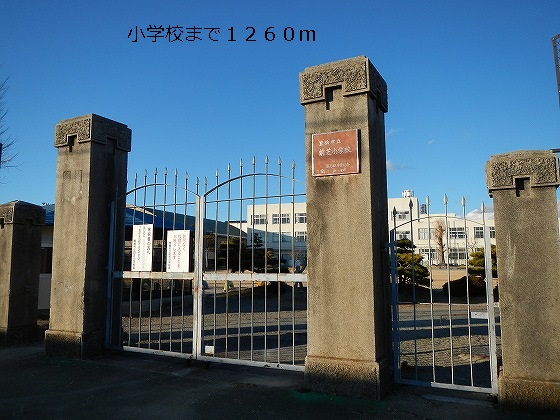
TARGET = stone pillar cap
(92,128)
(539,166)
(18,212)
(355,75)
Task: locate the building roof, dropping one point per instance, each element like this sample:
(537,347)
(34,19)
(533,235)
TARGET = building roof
(161,219)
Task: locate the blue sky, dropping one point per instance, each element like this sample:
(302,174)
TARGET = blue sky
(466,80)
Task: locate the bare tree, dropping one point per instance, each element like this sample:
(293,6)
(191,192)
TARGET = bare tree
(7,142)
(439,234)
(472,245)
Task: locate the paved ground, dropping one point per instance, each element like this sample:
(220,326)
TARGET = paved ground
(126,385)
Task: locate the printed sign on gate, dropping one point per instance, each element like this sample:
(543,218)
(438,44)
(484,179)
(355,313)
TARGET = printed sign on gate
(178,251)
(142,245)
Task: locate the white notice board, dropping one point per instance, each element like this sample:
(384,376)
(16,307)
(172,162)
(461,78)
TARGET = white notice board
(142,245)
(178,251)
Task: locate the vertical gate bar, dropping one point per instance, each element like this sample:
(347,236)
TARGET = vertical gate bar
(395,300)
(160,329)
(201,224)
(110,273)
(464,204)
(227,256)
(490,305)
(144,189)
(414,314)
(129,315)
(174,224)
(214,296)
(181,334)
(131,280)
(171,283)
(253,181)
(151,280)
(293,257)
(153,246)
(240,257)
(278,288)
(139,343)
(162,255)
(445,202)
(431,290)
(185,201)
(183,281)
(198,313)
(121,248)
(266,260)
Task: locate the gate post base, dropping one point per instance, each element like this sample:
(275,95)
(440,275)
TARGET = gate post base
(73,345)
(355,378)
(529,393)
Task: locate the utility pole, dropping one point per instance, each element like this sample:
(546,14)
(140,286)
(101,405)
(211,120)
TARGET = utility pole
(555,49)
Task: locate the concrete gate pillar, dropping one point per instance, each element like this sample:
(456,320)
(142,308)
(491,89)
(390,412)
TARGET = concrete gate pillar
(523,186)
(349,331)
(20,266)
(91,169)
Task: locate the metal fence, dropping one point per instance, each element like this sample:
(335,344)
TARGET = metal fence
(205,278)
(444,317)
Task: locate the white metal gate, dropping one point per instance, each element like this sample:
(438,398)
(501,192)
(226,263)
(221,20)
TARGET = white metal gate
(442,336)
(217,274)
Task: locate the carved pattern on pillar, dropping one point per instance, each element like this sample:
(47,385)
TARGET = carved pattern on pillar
(81,127)
(7,213)
(541,167)
(103,129)
(23,212)
(355,75)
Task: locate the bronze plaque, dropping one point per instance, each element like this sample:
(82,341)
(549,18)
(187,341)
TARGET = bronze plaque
(335,153)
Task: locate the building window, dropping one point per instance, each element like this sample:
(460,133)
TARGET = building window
(301,217)
(402,215)
(457,254)
(424,232)
(403,234)
(428,253)
(258,219)
(46,260)
(280,218)
(300,236)
(492,232)
(423,209)
(457,233)
(284,238)
(258,237)
(478,232)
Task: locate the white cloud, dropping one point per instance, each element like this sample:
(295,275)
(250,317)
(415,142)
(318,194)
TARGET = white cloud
(392,131)
(476,214)
(390,166)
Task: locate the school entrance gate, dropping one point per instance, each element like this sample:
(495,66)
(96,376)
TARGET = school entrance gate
(213,273)
(444,330)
